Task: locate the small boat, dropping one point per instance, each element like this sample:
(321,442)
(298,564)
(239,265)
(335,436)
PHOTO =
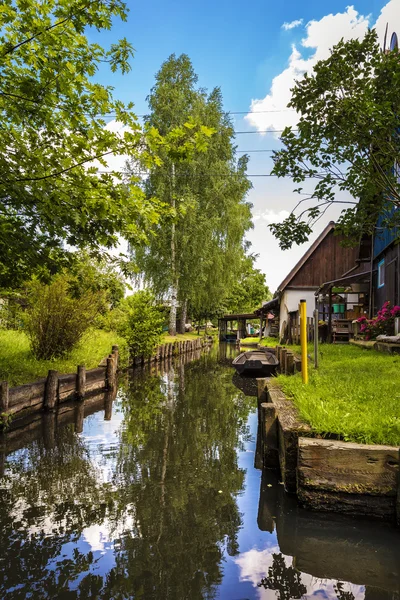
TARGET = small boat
(256,363)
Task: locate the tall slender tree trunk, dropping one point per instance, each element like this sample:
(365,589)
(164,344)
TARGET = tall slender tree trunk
(183,316)
(174,286)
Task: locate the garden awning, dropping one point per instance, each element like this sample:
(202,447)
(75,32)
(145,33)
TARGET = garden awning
(363,277)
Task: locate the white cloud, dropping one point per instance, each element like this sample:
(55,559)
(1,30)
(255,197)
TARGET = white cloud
(320,37)
(272,216)
(254,565)
(286,26)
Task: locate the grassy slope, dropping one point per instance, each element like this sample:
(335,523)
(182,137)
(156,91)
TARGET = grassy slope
(354,393)
(17,365)
(181,337)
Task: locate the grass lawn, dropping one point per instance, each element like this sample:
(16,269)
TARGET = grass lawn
(17,365)
(268,341)
(182,337)
(355,393)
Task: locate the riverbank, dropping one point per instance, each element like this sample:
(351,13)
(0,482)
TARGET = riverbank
(19,366)
(354,394)
(184,337)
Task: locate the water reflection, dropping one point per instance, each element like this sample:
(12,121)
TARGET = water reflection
(142,510)
(155,496)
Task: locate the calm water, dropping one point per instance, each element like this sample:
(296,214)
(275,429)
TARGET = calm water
(161,500)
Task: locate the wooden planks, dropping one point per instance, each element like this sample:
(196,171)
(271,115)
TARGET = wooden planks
(354,479)
(346,467)
(290,428)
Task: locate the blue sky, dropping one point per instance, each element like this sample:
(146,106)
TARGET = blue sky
(245,50)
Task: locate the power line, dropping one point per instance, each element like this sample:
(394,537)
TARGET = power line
(228,112)
(249,151)
(145,173)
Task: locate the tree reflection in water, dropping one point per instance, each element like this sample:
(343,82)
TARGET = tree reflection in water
(167,510)
(285,580)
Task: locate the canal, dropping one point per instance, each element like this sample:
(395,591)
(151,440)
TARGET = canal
(159,498)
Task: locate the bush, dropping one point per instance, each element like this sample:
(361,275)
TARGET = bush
(142,323)
(382,324)
(55,322)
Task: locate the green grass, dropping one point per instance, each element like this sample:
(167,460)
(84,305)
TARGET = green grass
(268,341)
(181,337)
(18,365)
(355,393)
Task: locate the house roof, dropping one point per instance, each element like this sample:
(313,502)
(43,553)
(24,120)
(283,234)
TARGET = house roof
(306,256)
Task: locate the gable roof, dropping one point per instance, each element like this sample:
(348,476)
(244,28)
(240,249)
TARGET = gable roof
(306,256)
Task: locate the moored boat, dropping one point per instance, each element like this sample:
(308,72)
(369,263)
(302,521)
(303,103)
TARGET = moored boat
(256,363)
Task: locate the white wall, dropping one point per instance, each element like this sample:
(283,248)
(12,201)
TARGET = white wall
(290,301)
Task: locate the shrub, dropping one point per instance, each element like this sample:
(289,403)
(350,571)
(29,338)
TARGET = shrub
(142,323)
(55,322)
(382,324)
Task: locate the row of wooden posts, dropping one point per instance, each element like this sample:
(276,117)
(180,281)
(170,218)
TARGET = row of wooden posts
(289,363)
(168,350)
(46,393)
(56,388)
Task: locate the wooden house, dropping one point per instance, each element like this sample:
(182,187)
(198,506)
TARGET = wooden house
(386,267)
(326,260)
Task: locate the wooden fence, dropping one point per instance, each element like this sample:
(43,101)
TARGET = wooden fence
(293,330)
(55,389)
(166,351)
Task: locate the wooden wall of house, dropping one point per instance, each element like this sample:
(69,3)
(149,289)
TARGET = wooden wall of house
(391,290)
(328,262)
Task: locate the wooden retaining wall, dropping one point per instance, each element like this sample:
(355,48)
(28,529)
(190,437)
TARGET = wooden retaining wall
(327,546)
(327,475)
(177,348)
(55,389)
(289,362)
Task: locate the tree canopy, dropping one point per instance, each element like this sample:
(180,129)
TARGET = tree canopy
(249,291)
(196,250)
(346,148)
(55,188)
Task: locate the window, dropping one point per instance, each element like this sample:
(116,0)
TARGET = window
(381,273)
(394,44)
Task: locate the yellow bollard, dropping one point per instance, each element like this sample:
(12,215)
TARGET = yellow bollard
(303,340)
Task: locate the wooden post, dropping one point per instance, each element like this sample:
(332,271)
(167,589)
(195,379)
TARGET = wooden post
(81,381)
(79,415)
(330,317)
(49,429)
(4,396)
(115,351)
(50,391)
(316,338)
(108,402)
(289,363)
(278,352)
(283,360)
(269,432)
(110,376)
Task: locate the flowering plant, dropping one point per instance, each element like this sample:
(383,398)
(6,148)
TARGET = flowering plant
(382,324)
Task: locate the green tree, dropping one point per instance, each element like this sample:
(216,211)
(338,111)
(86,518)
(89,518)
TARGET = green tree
(347,147)
(141,323)
(249,291)
(91,274)
(194,255)
(54,141)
